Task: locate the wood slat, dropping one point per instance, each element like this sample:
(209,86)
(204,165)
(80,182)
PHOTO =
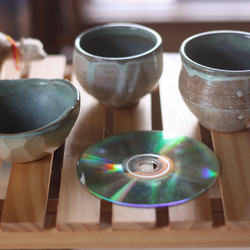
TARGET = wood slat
(136,118)
(25,204)
(26,199)
(78,209)
(140,239)
(131,119)
(233,151)
(176,117)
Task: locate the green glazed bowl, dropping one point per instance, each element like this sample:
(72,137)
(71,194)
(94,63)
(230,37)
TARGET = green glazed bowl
(36,116)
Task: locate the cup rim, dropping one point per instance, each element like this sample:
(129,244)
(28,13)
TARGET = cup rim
(207,68)
(48,127)
(128,25)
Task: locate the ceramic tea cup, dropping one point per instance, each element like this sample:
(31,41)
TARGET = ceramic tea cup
(36,116)
(118,63)
(215,79)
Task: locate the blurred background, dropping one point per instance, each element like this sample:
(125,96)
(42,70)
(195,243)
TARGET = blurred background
(57,23)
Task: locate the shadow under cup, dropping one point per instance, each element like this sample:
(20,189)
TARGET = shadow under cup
(215,79)
(118,63)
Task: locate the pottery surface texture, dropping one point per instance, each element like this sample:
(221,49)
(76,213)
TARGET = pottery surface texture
(215,79)
(36,117)
(118,63)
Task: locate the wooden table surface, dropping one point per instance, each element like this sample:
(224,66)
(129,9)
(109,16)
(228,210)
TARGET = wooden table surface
(46,206)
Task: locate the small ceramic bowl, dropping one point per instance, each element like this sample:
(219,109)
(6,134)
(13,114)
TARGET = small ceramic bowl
(118,63)
(36,116)
(215,79)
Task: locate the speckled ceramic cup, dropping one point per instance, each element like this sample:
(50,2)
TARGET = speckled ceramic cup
(36,116)
(118,63)
(215,79)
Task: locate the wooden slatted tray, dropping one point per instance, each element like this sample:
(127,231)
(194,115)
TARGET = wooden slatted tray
(46,206)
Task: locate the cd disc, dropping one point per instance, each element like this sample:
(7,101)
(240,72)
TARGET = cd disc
(148,168)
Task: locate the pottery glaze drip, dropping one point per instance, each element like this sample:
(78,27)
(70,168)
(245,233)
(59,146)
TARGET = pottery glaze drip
(118,63)
(218,97)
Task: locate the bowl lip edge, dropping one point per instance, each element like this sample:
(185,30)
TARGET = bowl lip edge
(184,56)
(46,128)
(157,45)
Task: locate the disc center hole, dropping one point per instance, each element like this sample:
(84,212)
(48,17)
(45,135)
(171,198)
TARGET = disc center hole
(148,166)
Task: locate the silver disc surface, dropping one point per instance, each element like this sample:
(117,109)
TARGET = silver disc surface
(148,168)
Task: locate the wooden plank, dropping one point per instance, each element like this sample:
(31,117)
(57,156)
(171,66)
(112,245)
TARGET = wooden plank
(136,118)
(139,239)
(176,117)
(78,209)
(234,155)
(25,204)
(131,119)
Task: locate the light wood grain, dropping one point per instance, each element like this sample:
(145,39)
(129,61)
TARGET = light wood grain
(176,117)
(233,151)
(136,118)
(78,209)
(131,119)
(109,239)
(25,204)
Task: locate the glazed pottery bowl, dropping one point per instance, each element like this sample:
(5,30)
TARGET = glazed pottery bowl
(36,117)
(215,79)
(118,63)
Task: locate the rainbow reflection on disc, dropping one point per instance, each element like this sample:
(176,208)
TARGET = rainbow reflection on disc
(148,168)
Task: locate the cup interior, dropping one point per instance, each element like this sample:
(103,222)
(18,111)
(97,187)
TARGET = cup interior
(29,105)
(223,50)
(118,41)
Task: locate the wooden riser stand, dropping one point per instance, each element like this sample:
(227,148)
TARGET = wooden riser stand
(46,206)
